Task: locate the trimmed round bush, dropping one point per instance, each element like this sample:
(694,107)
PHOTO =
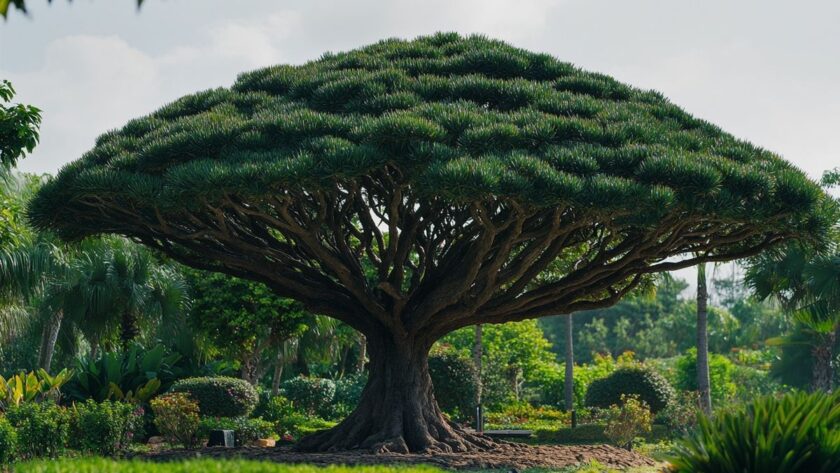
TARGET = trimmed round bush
(649,385)
(312,395)
(453,377)
(8,442)
(220,396)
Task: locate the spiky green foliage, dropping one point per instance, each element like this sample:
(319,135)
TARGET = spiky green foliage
(484,163)
(795,433)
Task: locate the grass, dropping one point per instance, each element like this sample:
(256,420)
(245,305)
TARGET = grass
(102,465)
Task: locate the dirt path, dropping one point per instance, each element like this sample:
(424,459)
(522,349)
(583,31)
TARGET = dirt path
(508,456)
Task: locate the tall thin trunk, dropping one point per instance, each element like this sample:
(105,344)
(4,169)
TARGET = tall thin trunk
(478,352)
(129,330)
(360,362)
(49,337)
(703,382)
(823,354)
(569,382)
(278,373)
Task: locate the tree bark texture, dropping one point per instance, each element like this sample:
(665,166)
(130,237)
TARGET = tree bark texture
(569,382)
(823,354)
(49,337)
(129,329)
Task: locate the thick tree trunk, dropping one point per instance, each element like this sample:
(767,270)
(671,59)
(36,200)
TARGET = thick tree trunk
(703,382)
(823,375)
(569,382)
(49,337)
(397,412)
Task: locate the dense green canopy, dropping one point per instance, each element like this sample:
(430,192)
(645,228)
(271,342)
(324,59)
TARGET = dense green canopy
(411,188)
(470,131)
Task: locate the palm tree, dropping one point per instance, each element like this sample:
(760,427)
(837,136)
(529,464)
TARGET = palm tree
(124,286)
(81,289)
(807,286)
(33,275)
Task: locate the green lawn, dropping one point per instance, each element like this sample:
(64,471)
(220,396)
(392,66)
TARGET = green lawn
(100,465)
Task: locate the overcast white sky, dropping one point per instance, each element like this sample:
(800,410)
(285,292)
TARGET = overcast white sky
(767,71)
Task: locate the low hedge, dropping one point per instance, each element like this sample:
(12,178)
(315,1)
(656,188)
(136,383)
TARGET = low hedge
(590,433)
(220,396)
(101,465)
(245,430)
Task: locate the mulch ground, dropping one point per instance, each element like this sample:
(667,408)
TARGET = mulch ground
(508,456)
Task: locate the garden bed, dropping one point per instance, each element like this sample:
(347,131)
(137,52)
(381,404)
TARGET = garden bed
(507,456)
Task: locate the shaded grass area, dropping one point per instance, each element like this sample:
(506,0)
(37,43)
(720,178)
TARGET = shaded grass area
(101,465)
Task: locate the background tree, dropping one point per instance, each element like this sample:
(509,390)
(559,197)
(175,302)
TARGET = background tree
(18,125)
(807,285)
(245,319)
(457,170)
(20,5)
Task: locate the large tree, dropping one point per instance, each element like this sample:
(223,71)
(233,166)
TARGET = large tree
(411,188)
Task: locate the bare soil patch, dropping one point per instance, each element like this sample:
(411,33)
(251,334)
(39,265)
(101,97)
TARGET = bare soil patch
(506,456)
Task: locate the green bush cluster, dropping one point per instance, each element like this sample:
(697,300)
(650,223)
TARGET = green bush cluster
(795,433)
(8,442)
(312,395)
(105,428)
(43,430)
(245,430)
(652,388)
(348,393)
(720,375)
(453,377)
(220,396)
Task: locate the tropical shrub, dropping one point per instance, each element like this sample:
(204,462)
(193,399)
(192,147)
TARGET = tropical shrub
(453,377)
(795,433)
(8,442)
(220,396)
(176,418)
(348,392)
(105,428)
(245,430)
(311,395)
(42,429)
(627,421)
(299,425)
(134,375)
(720,375)
(652,389)
(33,386)
(273,408)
